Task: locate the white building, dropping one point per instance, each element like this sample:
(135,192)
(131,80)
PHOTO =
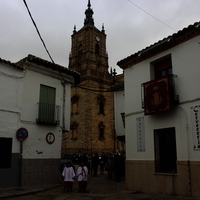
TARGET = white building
(34,112)
(162,105)
(119,111)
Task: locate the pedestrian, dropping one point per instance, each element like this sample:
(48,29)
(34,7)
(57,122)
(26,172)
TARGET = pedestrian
(68,175)
(110,167)
(82,173)
(118,167)
(103,161)
(102,165)
(95,164)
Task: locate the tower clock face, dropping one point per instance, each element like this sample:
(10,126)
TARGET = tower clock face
(97,38)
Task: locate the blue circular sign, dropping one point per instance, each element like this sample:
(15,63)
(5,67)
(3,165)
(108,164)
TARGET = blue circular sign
(22,134)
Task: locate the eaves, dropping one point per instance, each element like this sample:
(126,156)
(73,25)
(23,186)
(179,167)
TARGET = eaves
(162,45)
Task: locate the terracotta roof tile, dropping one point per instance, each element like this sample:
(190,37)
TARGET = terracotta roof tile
(53,66)
(166,43)
(12,64)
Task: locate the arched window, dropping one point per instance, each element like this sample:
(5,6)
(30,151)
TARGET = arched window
(101,102)
(97,49)
(80,49)
(74,127)
(101,127)
(74,104)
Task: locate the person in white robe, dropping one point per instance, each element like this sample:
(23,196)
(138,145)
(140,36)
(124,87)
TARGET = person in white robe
(68,175)
(82,173)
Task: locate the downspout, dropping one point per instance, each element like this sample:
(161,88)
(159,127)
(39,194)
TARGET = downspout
(21,162)
(188,156)
(63,112)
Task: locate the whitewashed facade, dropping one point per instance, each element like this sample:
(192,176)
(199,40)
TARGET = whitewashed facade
(31,125)
(119,111)
(163,143)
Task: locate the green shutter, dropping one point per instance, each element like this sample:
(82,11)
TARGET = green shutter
(47,104)
(47,94)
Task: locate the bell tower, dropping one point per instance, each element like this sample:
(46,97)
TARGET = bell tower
(92,117)
(88,53)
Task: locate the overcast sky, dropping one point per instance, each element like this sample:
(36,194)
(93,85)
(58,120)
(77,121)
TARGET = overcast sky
(130,25)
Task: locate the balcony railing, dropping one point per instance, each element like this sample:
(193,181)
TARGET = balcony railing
(159,95)
(48,114)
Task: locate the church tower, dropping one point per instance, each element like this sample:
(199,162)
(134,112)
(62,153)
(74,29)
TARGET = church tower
(92,112)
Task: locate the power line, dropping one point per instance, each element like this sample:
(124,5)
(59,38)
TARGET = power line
(85,88)
(38,31)
(151,15)
(157,18)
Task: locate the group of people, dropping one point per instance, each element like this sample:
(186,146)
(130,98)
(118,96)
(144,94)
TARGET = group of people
(115,167)
(113,164)
(69,175)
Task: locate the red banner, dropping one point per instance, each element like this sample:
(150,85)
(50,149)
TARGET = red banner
(157,96)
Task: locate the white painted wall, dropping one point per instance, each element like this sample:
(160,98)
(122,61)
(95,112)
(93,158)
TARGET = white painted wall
(119,108)
(19,92)
(35,146)
(186,65)
(10,90)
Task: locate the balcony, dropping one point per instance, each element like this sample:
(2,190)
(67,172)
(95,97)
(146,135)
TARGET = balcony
(159,95)
(48,114)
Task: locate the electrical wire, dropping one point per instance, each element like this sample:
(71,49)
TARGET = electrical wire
(38,31)
(151,15)
(157,19)
(85,88)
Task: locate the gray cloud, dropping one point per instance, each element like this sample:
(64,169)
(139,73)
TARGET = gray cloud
(128,27)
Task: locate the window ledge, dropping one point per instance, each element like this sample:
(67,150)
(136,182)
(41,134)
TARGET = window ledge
(101,114)
(74,139)
(165,174)
(101,139)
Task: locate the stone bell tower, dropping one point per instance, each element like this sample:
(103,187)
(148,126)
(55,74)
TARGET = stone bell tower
(92,106)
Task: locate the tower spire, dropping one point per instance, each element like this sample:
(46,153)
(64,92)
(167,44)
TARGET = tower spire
(89,4)
(88,13)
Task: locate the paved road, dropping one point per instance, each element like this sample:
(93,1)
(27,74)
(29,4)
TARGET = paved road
(99,188)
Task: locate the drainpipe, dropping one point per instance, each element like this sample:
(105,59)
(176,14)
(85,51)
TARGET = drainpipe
(63,116)
(63,113)
(188,156)
(21,157)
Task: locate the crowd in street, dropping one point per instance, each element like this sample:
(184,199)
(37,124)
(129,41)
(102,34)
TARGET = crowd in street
(114,164)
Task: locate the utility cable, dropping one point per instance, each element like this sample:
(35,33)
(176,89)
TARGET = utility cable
(159,19)
(38,31)
(151,15)
(85,88)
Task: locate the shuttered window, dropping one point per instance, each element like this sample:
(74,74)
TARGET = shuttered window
(47,104)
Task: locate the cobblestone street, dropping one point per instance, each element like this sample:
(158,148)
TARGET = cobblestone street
(99,188)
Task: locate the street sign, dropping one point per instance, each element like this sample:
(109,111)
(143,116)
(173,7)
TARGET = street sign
(50,138)
(22,134)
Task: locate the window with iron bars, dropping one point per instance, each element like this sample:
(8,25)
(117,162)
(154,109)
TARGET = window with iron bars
(48,112)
